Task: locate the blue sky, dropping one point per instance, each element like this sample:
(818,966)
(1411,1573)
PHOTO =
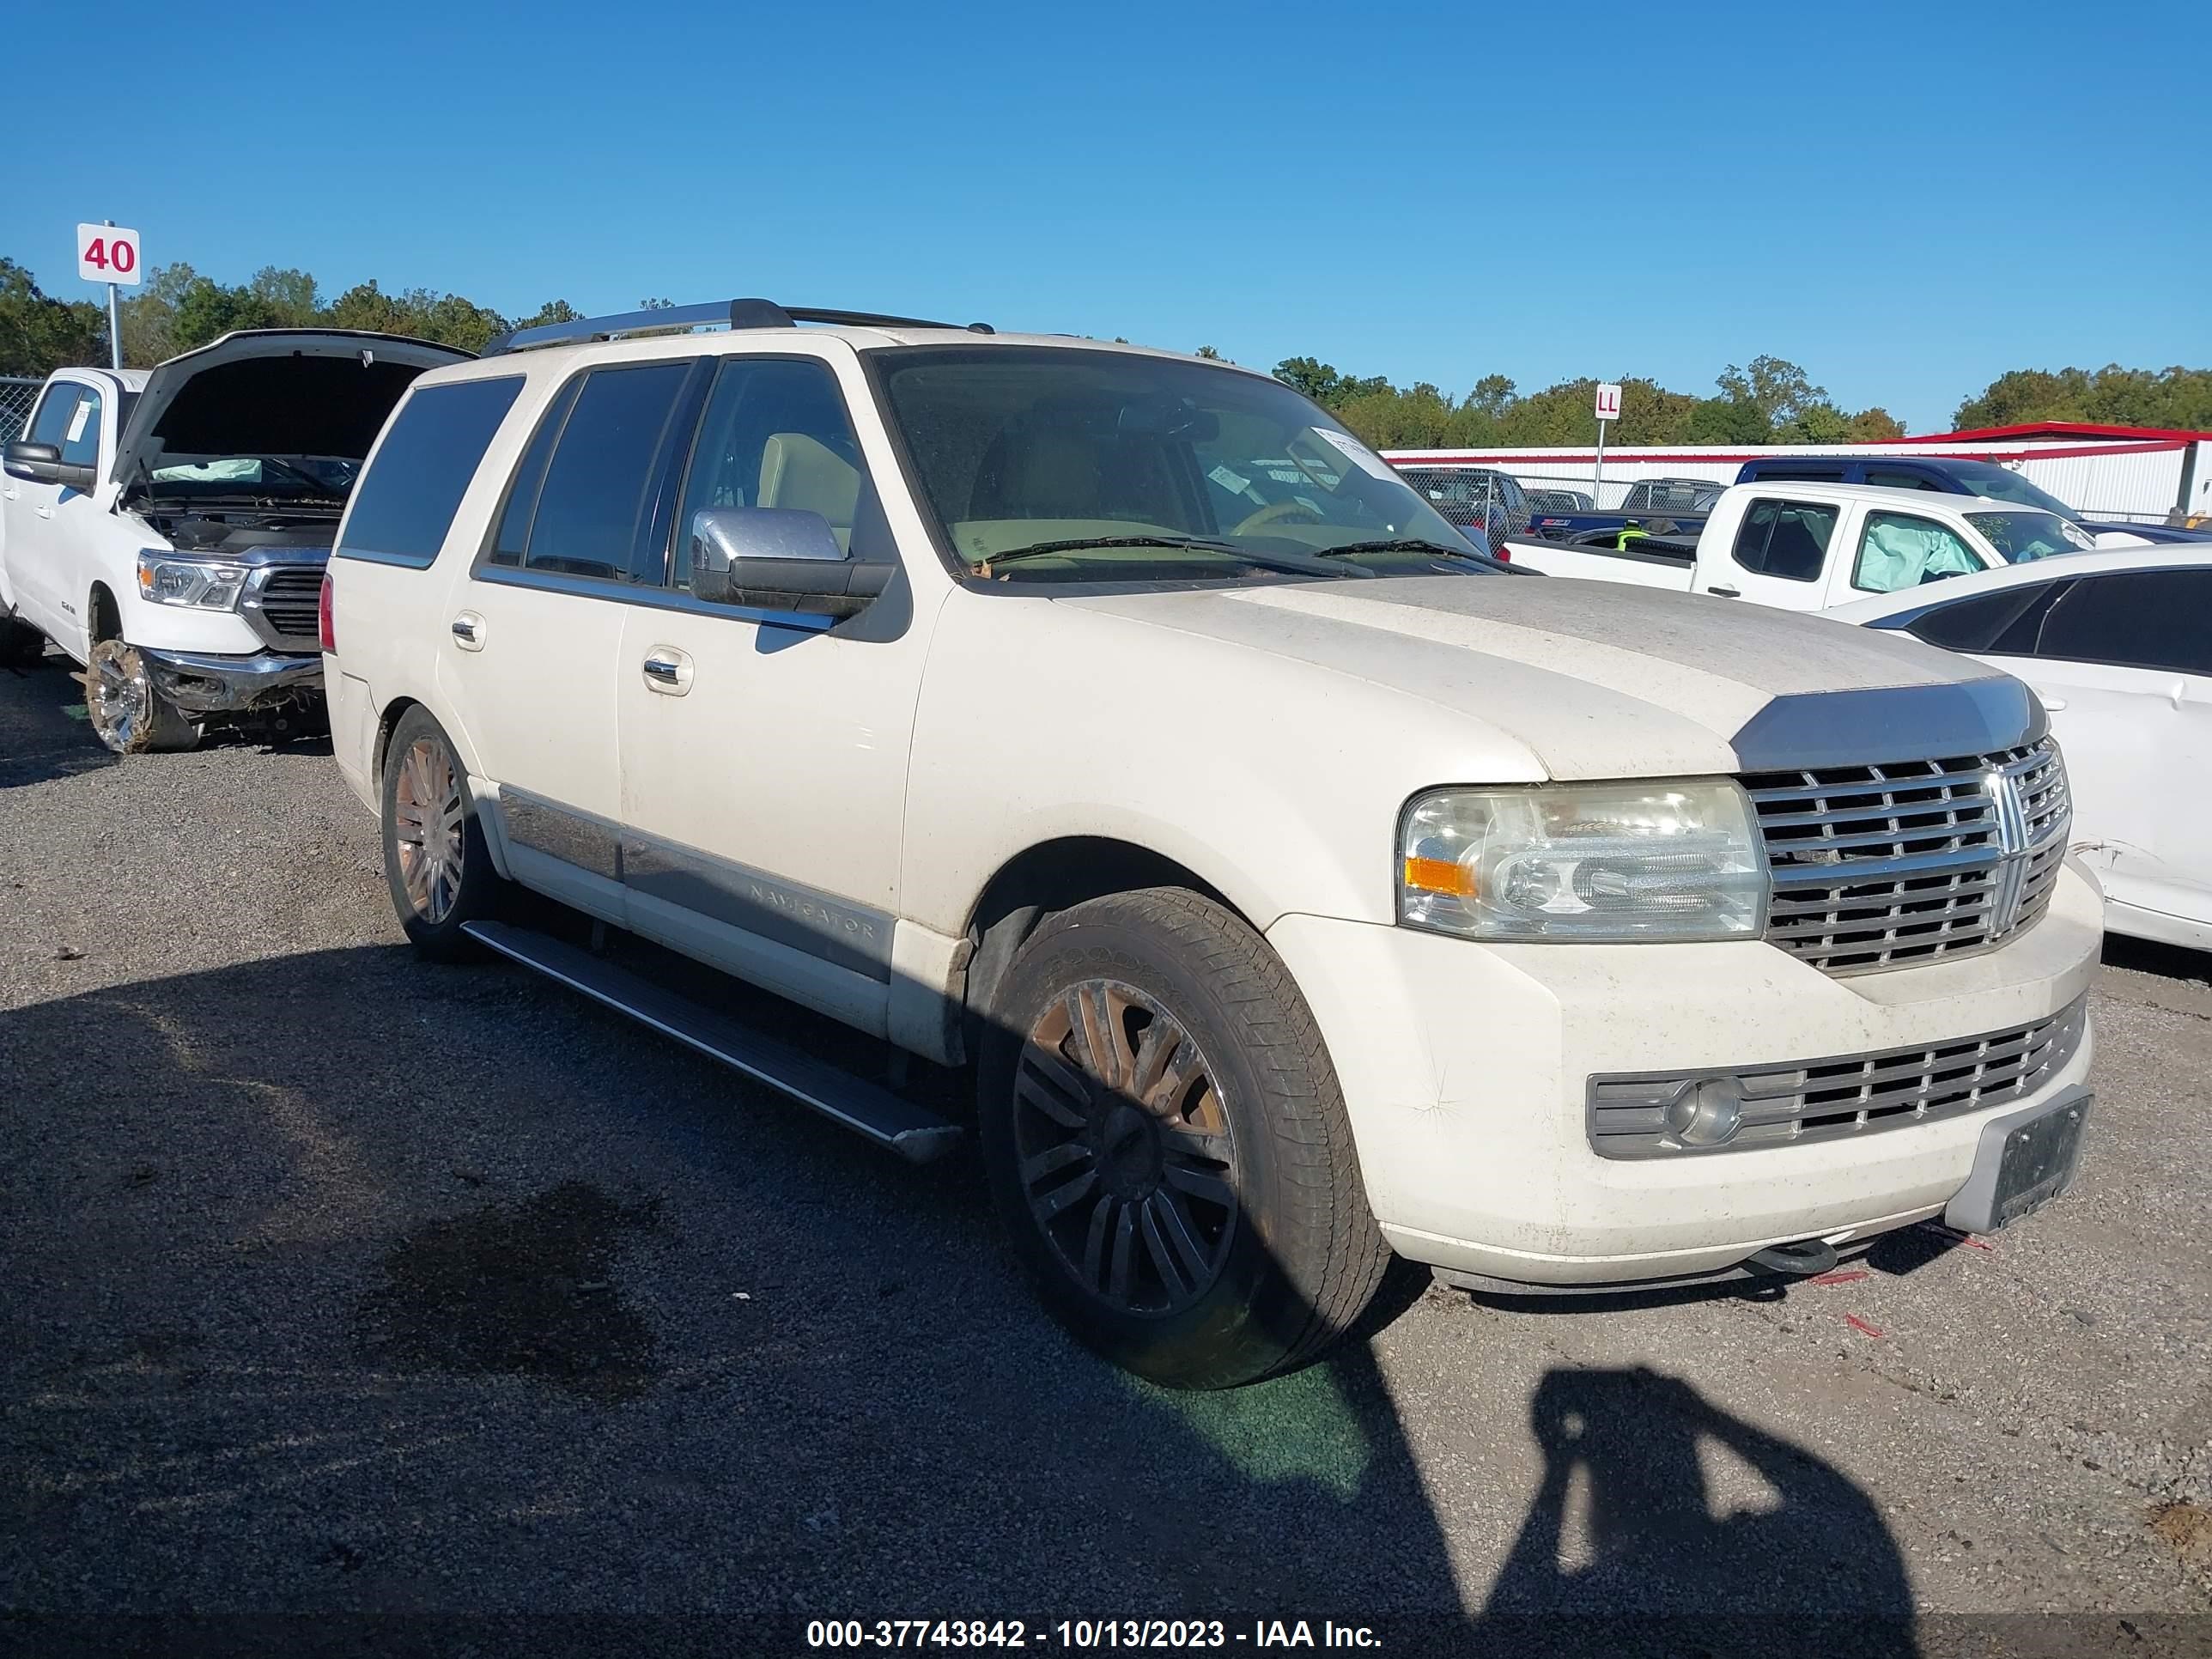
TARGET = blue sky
(1907,200)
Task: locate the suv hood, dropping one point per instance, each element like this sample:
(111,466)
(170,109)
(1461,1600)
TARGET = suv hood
(1597,680)
(273,391)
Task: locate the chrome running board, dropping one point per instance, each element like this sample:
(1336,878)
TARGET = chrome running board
(913,1133)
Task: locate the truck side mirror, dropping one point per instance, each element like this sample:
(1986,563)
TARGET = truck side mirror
(776,558)
(43,464)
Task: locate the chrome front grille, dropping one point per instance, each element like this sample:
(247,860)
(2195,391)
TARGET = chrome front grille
(289,600)
(1895,865)
(1630,1117)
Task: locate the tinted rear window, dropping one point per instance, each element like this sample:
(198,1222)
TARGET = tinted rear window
(405,502)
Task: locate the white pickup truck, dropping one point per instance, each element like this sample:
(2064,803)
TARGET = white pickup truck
(1809,546)
(1302,885)
(167,528)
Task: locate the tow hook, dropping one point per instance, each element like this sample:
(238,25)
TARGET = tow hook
(1808,1258)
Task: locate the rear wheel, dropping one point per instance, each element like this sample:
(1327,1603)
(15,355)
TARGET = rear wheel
(129,713)
(1167,1144)
(435,861)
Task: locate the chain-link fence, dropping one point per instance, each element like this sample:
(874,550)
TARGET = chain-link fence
(16,397)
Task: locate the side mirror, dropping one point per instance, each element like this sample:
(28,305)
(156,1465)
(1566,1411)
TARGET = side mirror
(43,464)
(776,558)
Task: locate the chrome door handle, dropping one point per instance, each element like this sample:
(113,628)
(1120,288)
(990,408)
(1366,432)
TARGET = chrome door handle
(668,671)
(469,631)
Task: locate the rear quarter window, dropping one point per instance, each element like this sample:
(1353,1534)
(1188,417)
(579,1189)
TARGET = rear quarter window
(405,502)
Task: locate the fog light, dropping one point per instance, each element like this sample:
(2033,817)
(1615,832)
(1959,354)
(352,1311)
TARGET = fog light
(1707,1114)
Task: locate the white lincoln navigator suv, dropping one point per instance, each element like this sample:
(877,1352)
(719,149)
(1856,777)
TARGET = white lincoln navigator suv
(1302,885)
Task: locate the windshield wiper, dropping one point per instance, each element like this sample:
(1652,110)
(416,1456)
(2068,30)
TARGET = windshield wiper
(1407,544)
(1310,566)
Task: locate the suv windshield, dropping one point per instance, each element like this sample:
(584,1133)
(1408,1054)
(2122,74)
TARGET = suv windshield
(1108,465)
(2001,483)
(2022,537)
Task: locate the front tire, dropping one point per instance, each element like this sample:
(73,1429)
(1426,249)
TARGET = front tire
(435,862)
(1167,1144)
(128,714)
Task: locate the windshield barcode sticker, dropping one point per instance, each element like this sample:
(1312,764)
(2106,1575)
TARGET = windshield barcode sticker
(1233,482)
(84,409)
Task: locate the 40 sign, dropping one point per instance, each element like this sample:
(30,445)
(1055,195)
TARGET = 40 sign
(107,253)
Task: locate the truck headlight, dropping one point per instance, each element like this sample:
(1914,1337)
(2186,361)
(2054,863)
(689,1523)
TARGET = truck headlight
(1584,861)
(200,584)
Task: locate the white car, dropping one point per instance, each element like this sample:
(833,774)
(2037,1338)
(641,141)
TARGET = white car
(1303,885)
(2119,647)
(167,527)
(1800,546)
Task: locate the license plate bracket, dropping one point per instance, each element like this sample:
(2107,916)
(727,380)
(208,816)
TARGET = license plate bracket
(2024,1159)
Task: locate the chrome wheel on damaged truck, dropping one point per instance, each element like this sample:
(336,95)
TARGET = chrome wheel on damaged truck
(129,713)
(1167,1144)
(435,861)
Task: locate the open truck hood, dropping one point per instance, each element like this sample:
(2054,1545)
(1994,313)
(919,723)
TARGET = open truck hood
(273,391)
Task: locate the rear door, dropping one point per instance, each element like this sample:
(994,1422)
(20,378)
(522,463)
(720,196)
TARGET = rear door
(2124,660)
(1779,556)
(536,628)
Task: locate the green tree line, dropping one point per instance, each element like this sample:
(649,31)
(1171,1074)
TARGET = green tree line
(1768,401)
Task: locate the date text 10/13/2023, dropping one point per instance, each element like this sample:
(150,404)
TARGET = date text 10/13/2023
(1084,1633)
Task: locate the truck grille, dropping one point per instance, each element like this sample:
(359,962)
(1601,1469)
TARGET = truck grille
(287,604)
(1890,865)
(1821,1100)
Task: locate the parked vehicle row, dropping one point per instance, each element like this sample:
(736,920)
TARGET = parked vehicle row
(1957,476)
(1299,883)
(167,528)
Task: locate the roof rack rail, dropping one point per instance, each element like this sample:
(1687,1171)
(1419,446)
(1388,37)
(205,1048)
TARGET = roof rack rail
(733,314)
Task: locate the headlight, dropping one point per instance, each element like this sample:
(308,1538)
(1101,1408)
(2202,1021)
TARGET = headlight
(1674,860)
(202,583)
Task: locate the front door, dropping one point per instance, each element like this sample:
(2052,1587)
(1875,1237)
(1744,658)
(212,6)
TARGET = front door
(38,514)
(764,753)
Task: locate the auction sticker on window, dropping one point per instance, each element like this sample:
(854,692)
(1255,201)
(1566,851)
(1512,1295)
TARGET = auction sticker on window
(1359,454)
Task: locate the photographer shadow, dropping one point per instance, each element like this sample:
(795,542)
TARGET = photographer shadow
(1662,1515)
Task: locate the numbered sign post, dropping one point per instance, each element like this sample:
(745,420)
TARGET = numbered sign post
(107,253)
(1608,409)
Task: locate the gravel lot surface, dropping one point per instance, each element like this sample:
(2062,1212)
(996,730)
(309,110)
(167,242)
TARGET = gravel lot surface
(338,1283)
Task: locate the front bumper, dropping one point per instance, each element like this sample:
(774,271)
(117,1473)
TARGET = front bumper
(202,682)
(1466,1070)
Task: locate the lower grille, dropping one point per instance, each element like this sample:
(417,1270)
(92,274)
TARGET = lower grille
(288,607)
(1636,1115)
(1889,865)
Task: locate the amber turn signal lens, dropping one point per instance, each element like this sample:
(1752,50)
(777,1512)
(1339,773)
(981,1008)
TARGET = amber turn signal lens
(1445,876)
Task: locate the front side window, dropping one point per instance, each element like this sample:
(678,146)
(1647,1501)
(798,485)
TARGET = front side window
(595,507)
(2154,619)
(80,437)
(776,434)
(1902,549)
(56,412)
(1788,539)
(413,485)
(1057,463)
